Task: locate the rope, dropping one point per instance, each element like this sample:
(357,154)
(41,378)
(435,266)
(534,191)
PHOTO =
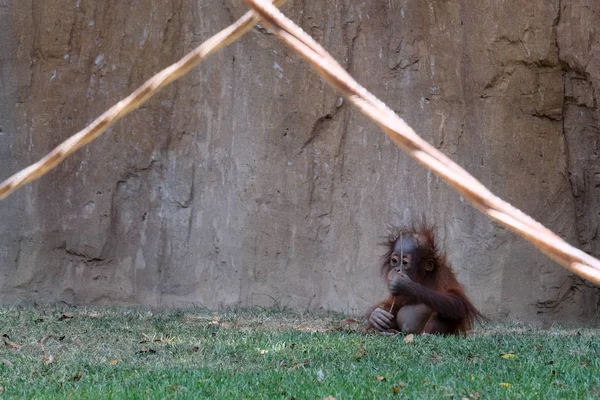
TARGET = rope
(398,131)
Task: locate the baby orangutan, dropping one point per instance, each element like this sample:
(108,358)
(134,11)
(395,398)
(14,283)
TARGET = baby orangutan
(425,296)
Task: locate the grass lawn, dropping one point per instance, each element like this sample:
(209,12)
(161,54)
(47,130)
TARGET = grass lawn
(128,353)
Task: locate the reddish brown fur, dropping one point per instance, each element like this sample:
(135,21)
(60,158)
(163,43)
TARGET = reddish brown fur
(454,307)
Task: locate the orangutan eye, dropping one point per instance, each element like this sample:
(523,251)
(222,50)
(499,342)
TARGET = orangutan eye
(394,261)
(404,262)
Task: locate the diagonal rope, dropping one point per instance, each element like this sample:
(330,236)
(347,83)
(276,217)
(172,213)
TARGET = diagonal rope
(133,101)
(405,137)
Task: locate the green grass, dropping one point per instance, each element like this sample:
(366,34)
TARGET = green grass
(126,353)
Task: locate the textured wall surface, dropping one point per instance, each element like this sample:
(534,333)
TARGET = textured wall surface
(250,182)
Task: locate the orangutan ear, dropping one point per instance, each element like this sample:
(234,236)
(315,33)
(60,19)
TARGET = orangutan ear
(429,265)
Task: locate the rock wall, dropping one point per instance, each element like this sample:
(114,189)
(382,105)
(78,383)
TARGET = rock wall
(250,182)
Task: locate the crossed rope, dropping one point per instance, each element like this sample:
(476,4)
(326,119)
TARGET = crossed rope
(397,130)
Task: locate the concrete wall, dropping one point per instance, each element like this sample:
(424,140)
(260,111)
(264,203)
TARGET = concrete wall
(250,182)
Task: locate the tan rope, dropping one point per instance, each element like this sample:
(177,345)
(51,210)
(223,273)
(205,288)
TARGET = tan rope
(133,101)
(405,137)
(398,131)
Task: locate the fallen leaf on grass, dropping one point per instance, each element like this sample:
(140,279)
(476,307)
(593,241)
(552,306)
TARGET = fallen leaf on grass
(475,395)
(1,389)
(509,356)
(399,385)
(320,375)
(362,352)
(380,378)
(436,356)
(176,388)
(49,358)
(297,364)
(595,389)
(12,345)
(114,362)
(65,316)
(329,398)
(147,350)
(77,378)
(504,384)
(350,321)
(264,352)
(409,338)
